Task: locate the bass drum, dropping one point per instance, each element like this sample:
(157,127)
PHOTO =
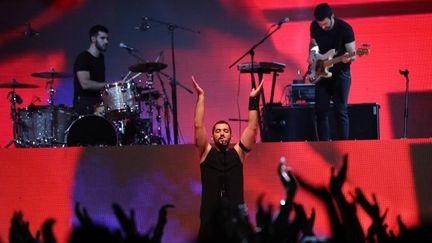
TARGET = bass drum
(91,130)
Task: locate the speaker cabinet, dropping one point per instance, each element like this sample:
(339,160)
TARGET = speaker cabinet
(297,122)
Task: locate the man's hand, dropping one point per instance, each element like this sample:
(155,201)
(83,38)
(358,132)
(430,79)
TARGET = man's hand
(198,89)
(346,58)
(256,91)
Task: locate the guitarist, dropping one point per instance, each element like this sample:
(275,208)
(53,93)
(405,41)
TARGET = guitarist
(328,32)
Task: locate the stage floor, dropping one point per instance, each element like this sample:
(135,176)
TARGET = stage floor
(46,182)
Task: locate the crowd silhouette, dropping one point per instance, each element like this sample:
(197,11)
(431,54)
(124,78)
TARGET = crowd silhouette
(291,223)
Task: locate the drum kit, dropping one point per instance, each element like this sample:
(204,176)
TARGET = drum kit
(117,120)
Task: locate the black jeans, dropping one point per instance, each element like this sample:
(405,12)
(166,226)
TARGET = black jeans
(335,88)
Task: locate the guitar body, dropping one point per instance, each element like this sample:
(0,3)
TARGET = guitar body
(319,64)
(318,69)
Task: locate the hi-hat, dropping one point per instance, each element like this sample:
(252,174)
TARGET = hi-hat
(148,67)
(51,75)
(15,85)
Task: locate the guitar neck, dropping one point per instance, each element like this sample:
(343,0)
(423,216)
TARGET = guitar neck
(338,59)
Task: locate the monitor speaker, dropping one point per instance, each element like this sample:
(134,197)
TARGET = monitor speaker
(297,123)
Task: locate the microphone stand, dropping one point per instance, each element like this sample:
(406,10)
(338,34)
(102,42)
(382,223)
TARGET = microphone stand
(166,101)
(171,79)
(167,108)
(405,74)
(251,52)
(172,28)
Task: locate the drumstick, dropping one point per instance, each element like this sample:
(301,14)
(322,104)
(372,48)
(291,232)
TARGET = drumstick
(136,75)
(127,75)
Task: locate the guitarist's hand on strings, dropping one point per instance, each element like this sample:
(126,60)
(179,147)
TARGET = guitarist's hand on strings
(346,58)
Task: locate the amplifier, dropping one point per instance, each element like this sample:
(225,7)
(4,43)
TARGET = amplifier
(301,91)
(297,122)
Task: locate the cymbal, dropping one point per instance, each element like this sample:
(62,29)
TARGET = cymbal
(51,75)
(148,67)
(15,85)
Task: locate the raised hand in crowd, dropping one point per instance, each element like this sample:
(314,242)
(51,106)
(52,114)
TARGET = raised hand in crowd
(160,225)
(325,196)
(350,221)
(288,181)
(47,231)
(263,219)
(83,216)
(19,231)
(128,225)
(377,232)
(307,223)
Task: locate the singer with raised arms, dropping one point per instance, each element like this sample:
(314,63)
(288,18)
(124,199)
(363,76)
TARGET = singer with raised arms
(221,165)
(89,72)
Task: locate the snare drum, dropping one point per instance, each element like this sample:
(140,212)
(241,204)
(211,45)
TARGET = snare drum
(43,126)
(91,130)
(120,99)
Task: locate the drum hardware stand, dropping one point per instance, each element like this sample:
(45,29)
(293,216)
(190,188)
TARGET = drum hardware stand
(159,124)
(51,93)
(405,74)
(167,109)
(166,102)
(14,99)
(120,128)
(172,27)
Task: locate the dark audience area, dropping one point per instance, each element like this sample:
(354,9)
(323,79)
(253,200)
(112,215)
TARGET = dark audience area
(288,223)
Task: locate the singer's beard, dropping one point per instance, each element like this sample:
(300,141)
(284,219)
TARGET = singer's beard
(222,144)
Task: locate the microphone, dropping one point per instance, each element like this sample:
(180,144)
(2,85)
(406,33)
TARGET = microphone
(282,21)
(34,100)
(125,46)
(14,97)
(37,99)
(30,32)
(144,26)
(159,56)
(18,99)
(403,72)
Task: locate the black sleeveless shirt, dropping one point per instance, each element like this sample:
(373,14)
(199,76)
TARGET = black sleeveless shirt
(221,177)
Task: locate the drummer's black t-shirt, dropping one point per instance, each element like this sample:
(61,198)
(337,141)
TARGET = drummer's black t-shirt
(85,100)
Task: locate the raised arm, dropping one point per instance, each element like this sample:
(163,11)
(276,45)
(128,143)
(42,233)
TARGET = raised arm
(248,136)
(201,142)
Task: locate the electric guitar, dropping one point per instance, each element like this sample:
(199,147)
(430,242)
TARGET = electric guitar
(320,64)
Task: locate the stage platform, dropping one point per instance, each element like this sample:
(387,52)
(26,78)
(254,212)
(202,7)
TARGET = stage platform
(46,182)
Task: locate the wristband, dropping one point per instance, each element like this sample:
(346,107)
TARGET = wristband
(253,103)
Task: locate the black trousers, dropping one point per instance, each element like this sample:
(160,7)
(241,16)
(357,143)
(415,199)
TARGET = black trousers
(336,89)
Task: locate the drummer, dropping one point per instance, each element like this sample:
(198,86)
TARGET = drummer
(89,72)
